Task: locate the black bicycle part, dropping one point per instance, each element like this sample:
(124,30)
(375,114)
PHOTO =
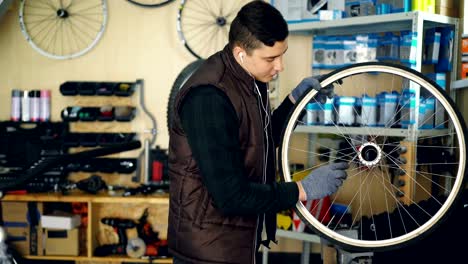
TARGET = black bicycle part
(139,3)
(183,76)
(46,163)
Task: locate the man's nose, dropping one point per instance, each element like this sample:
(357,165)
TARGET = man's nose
(279,64)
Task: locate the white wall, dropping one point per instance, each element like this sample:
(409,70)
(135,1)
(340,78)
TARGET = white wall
(137,43)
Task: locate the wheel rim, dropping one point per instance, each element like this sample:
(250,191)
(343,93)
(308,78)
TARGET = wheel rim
(63,29)
(373,159)
(150,3)
(203,26)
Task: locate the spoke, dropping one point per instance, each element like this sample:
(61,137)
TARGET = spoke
(84,21)
(51,4)
(207,8)
(416,182)
(82,31)
(423,172)
(47,3)
(399,205)
(341,134)
(39,21)
(45,27)
(70,5)
(338,126)
(235,10)
(195,32)
(85,9)
(52,37)
(29,4)
(386,203)
(204,17)
(39,40)
(395,122)
(321,145)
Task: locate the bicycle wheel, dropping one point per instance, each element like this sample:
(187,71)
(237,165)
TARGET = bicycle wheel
(203,26)
(63,29)
(150,3)
(407,160)
(183,76)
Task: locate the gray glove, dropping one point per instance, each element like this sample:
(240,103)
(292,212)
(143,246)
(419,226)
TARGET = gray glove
(313,82)
(324,180)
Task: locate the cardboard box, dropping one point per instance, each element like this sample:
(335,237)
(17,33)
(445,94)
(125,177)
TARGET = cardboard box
(14,211)
(18,238)
(61,242)
(464,45)
(17,218)
(446,11)
(60,221)
(464,70)
(447,3)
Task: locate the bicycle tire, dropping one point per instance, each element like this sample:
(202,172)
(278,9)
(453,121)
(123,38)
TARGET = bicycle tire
(183,76)
(63,32)
(204,30)
(151,4)
(397,235)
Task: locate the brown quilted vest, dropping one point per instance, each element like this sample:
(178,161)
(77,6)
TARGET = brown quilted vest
(197,231)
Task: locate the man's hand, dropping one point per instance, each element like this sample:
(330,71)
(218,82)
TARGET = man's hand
(323,181)
(312,82)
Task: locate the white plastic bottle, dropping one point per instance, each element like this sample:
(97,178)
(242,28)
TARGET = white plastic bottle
(25,107)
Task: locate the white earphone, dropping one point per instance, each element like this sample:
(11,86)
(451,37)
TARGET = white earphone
(241,56)
(267,116)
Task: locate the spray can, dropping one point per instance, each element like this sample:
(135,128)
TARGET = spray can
(16,96)
(25,107)
(44,115)
(34,98)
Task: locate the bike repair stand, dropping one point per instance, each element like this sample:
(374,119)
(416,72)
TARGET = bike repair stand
(346,257)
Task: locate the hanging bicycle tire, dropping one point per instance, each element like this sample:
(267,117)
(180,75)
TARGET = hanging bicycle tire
(63,29)
(407,165)
(183,76)
(203,26)
(150,3)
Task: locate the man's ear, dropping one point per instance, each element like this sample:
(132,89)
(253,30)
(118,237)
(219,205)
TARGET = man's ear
(239,53)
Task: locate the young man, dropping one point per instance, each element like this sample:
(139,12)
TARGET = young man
(222,147)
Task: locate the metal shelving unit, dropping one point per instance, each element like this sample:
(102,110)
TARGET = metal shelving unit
(373,24)
(459,84)
(414,21)
(375,131)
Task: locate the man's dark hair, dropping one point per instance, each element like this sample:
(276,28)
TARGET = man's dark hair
(257,22)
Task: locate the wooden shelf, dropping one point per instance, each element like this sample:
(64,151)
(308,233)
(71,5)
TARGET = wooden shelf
(83,197)
(103,205)
(100,259)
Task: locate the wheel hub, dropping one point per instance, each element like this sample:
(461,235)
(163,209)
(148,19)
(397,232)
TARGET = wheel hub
(370,154)
(62,13)
(220,21)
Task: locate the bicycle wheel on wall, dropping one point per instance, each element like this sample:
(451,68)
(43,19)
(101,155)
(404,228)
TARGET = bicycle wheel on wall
(63,29)
(203,26)
(407,161)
